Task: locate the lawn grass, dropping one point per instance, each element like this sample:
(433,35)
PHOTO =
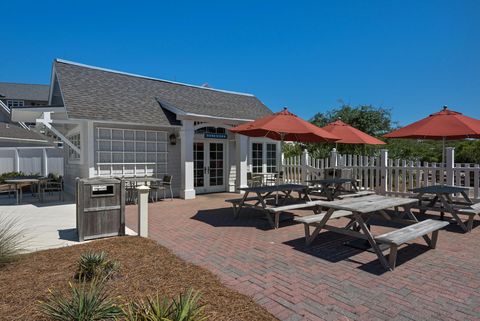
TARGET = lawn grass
(146,268)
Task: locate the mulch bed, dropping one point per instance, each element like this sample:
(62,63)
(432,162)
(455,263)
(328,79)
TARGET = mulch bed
(146,268)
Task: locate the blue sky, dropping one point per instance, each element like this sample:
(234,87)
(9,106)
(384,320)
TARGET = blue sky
(411,56)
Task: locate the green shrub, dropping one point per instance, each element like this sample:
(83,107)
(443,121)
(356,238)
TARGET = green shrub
(95,265)
(8,175)
(156,308)
(11,239)
(87,302)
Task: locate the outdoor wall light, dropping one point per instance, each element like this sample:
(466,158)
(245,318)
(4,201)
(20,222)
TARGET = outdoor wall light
(173,139)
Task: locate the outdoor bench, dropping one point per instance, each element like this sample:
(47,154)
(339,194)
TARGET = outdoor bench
(316,205)
(408,233)
(357,194)
(470,211)
(314,220)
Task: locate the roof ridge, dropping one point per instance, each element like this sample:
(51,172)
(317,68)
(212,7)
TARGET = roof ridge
(150,78)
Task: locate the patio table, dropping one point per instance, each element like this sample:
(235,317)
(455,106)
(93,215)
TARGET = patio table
(363,209)
(332,187)
(439,198)
(19,182)
(262,193)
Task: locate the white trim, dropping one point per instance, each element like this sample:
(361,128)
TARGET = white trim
(181,114)
(25,139)
(150,78)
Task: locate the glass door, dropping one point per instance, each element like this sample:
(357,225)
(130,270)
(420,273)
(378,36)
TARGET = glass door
(209,167)
(216,167)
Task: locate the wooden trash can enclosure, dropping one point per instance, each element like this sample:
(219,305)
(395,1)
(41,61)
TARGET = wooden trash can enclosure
(100,207)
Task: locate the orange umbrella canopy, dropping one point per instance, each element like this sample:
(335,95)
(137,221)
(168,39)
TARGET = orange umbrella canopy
(446,124)
(285,126)
(351,135)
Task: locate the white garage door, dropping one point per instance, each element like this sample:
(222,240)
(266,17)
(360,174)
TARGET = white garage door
(127,152)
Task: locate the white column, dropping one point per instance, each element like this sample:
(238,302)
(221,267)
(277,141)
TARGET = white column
(17,160)
(450,164)
(304,163)
(143,210)
(89,148)
(241,145)
(186,140)
(383,172)
(44,162)
(334,158)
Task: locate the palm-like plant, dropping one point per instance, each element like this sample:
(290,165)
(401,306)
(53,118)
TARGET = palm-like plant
(11,239)
(87,302)
(95,265)
(156,308)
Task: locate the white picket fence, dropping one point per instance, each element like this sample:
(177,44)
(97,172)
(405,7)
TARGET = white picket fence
(385,175)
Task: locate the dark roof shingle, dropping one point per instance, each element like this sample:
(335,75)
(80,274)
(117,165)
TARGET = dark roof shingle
(99,94)
(24,91)
(13,135)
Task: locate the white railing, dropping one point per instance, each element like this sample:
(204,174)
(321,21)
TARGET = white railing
(7,109)
(390,176)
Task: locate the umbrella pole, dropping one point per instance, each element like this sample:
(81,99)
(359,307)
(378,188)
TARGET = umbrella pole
(443,161)
(336,160)
(282,136)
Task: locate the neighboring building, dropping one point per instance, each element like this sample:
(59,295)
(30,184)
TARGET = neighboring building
(120,124)
(19,95)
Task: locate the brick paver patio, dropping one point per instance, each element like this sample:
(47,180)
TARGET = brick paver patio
(328,280)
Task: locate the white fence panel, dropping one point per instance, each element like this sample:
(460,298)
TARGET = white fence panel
(398,176)
(32,160)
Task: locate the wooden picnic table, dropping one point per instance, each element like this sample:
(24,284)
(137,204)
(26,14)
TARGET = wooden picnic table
(439,198)
(360,211)
(25,181)
(332,187)
(263,193)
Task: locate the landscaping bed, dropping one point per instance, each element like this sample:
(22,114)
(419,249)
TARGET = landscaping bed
(146,268)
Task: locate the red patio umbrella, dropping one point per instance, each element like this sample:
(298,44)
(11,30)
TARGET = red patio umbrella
(350,135)
(443,125)
(285,126)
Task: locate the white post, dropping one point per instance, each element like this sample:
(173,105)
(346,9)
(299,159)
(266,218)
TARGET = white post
(186,140)
(383,171)
(17,160)
(143,210)
(450,164)
(44,162)
(241,146)
(304,163)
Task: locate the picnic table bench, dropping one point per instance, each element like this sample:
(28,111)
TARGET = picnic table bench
(439,198)
(360,210)
(275,192)
(331,188)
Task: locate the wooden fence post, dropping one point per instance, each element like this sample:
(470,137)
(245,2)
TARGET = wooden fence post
(383,171)
(143,210)
(449,164)
(304,164)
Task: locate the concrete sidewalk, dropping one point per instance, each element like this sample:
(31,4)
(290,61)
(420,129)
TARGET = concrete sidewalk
(46,225)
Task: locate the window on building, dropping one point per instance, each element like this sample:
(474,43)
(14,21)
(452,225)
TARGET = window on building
(72,154)
(15,103)
(271,159)
(257,157)
(210,130)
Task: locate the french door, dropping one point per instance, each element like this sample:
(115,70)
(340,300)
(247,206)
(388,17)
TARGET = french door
(209,166)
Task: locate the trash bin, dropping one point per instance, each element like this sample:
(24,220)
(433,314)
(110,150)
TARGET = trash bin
(100,207)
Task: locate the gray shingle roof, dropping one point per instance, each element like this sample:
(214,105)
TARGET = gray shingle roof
(99,94)
(24,91)
(13,135)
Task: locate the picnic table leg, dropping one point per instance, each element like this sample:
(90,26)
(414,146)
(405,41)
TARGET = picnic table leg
(237,208)
(466,197)
(264,205)
(309,239)
(408,210)
(371,240)
(450,209)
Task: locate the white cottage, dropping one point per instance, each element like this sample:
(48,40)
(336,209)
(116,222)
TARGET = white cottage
(120,124)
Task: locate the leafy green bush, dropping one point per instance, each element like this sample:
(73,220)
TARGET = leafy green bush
(87,302)
(11,239)
(8,175)
(156,308)
(95,265)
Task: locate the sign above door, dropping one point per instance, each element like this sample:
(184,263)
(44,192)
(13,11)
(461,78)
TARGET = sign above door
(215,135)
